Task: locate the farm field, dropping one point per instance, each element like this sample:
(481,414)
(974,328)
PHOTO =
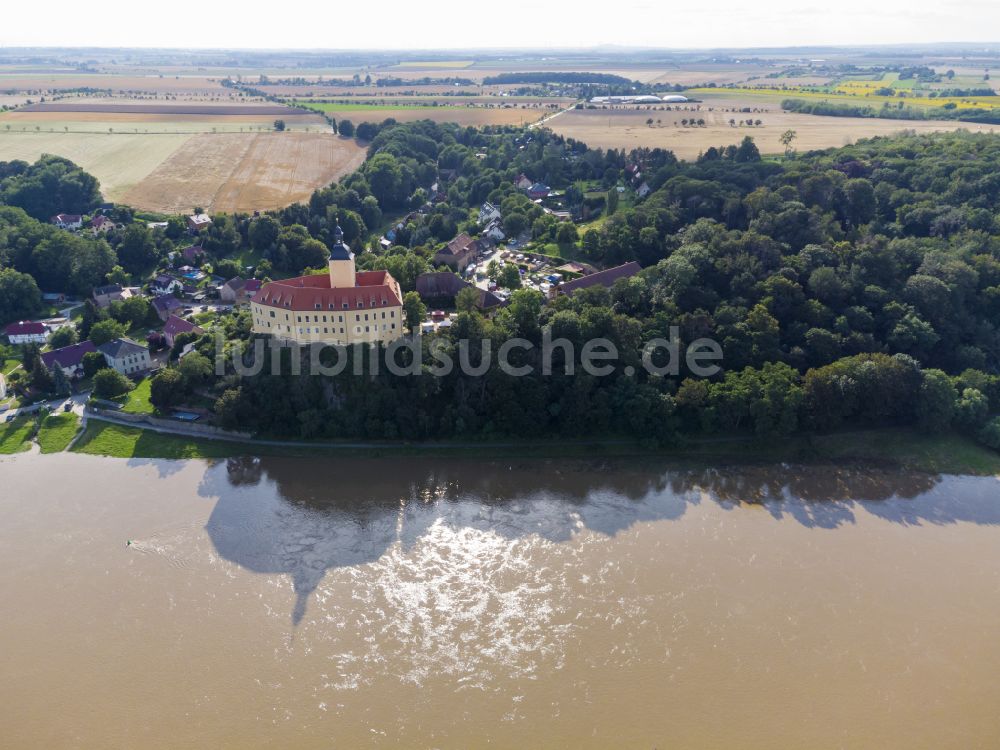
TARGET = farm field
(59,81)
(475,116)
(119,161)
(627,128)
(245,171)
(858,93)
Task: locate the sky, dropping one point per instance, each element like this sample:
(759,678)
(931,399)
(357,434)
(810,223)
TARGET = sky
(451,24)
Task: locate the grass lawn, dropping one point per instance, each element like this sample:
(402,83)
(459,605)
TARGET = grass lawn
(10,365)
(56,432)
(14,435)
(137,400)
(105,439)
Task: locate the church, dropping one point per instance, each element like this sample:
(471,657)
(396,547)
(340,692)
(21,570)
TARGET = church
(344,306)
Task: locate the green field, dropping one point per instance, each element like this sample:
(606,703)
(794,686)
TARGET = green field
(56,432)
(14,435)
(105,439)
(137,400)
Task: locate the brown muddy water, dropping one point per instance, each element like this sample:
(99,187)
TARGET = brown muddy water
(289,603)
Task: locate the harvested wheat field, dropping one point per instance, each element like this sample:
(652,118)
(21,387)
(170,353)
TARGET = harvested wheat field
(245,171)
(119,161)
(627,129)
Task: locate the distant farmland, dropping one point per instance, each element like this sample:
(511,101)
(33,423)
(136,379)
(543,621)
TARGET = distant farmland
(463,115)
(628,128)
(138,108)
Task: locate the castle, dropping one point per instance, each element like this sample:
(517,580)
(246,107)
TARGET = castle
(344,306)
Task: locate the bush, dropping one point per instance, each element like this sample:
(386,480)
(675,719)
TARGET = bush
(110,383)
(990,434)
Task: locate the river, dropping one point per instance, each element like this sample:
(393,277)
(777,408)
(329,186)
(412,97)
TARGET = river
(432,603)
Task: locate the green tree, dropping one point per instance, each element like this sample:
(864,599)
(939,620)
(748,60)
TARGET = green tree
(20,297)
(64,336)
(414,310)
(109,383)
(105,331)
(279,125)
(936,399)
(167,389)
(60,383)
(92,363)
(467,299)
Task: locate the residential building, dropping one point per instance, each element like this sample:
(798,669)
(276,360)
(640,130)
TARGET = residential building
(238,291)
(344,306)
(441,288)
(67,221)
(164,284)
(69,358)
(101,225)
(26,333)
(604,278)
(105,295)
(198,222)
(643,190)
(458,253)
(523,182)
(176,326)
(488,213)
(193,253)
(538,191)
(126,356)
(494,231)
(166,305)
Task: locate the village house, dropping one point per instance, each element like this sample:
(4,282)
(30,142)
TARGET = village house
(164,284)
(458,253)
(488,213)
(166,306)
(523,182)
(67,221)
(126,356)
(101,225)
(238,291)
(604,278)
(539,191)
(439,288)
(26,333)
(344,306)
(494,231)
(176,326)
(105,295)
(69,358)
(193,254)
(198,222)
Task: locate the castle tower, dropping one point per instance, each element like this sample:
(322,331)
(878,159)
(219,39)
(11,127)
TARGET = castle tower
(341,262)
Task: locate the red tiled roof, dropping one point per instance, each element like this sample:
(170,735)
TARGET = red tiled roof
(458,246)
(602,278)
(373,289)
(68,356)
(252,286)
(24,329)
(175,325)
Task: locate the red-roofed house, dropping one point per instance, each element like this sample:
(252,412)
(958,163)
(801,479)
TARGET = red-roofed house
(176,326)
(26,333)
(343,306)
(458,253)
(69,358)
(101,225)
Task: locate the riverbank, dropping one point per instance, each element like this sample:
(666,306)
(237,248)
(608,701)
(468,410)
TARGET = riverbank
(904,448)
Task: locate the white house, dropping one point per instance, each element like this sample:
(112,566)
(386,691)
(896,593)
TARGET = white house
(26,333)
(644,190)
(126,356)
(67,221)
(488,213)
(494,231)
(164,284)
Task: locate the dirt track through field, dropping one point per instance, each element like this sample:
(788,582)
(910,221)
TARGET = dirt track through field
(245,171)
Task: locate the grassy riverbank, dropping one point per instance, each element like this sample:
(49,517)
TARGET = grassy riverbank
(950,453)
(56,432)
